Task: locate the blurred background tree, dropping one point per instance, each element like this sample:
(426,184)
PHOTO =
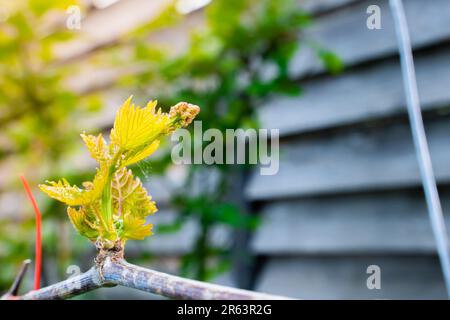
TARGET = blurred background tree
(235,60)
(39,117)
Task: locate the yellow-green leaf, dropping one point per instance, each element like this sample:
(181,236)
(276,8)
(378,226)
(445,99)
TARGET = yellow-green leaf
(73,195)
(134,228)
(85,225)
(135,127)
(97,147)
(142,154)
(129,195)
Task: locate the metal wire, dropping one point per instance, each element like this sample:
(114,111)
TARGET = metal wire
(420,140)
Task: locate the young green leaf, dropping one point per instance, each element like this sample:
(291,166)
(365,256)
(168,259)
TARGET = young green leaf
(114,206)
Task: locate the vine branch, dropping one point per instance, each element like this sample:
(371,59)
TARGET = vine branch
(111,271)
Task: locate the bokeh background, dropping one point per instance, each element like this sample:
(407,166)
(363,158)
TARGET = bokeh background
(347,194)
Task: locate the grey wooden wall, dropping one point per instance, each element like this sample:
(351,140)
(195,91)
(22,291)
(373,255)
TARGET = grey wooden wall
(348,192)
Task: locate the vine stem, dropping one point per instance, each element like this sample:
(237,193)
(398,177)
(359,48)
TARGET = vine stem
(112,271)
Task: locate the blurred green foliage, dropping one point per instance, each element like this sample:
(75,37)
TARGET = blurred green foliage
(232,64)
(37,110)
(38,119)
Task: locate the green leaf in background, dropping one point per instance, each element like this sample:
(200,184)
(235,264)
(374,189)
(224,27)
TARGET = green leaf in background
(331,61)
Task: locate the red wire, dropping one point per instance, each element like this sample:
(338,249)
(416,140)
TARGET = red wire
(38,245)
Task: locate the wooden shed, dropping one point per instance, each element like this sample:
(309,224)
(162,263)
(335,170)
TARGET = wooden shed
(348,194)
(347,199)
